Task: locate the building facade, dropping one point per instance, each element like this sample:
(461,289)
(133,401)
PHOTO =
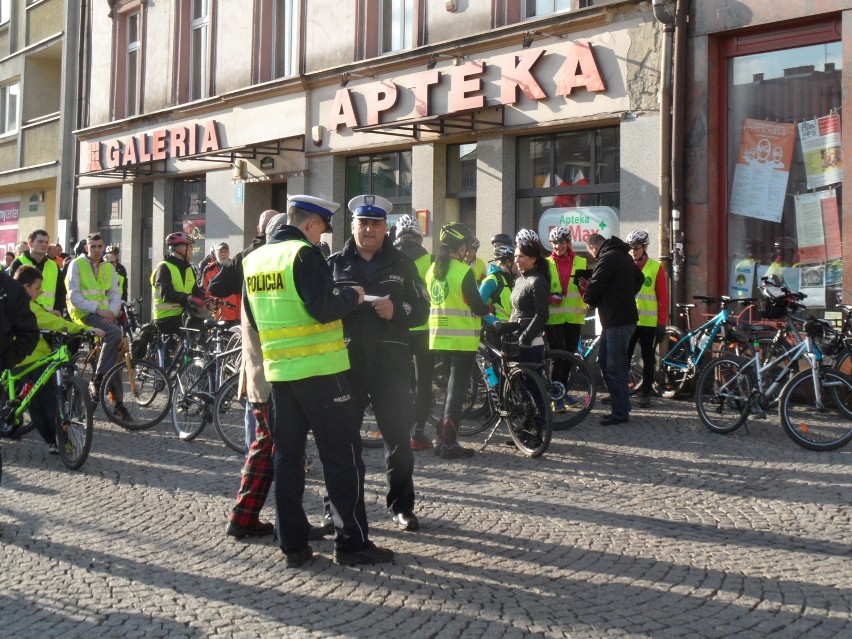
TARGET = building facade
(500,113)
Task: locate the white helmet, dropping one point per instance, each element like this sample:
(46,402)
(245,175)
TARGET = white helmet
(408,224)
(560,233)
(639,237)
(526,235)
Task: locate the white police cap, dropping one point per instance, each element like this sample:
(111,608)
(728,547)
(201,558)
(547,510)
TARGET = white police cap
(324,208)
(370,207)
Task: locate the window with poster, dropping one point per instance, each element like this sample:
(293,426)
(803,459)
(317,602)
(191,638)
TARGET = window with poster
(190,216)
(386,174)
(573,177)
(461,183)
(783,162)
(109,215)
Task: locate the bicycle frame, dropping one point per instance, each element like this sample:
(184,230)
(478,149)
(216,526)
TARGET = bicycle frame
(11,413)
(706,333)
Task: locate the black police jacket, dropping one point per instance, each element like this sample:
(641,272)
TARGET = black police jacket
(374,341)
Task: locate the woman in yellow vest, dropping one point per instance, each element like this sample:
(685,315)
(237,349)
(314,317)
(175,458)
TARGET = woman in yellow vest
(496,288)
(454,328)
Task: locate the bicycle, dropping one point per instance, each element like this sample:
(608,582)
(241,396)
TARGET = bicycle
(683,360)
(229,408)
(815,405)
(517,392)
(75,428)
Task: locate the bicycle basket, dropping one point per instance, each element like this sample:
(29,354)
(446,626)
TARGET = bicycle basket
(773,302)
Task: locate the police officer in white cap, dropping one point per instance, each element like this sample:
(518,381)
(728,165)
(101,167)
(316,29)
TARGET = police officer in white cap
(296,307)
(379,342)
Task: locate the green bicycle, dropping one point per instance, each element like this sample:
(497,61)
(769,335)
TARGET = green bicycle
(74,430)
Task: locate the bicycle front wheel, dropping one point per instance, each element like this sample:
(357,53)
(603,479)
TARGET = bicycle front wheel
(135,398)
(192,400)
(570,388)
(229,415)
(528,410)
(75,428)
(722,394)
(818,415)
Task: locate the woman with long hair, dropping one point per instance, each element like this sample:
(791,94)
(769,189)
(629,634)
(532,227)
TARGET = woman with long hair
(454,328)
(531,295)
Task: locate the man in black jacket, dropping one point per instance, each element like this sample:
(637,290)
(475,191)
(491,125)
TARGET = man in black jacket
(378,333)
(612,290)
(18,328)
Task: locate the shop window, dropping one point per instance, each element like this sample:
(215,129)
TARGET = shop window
(567,170)
(9,108)
(461,182)
(109,214)
(385,174)
(783,168)
(190,201)
(388,25)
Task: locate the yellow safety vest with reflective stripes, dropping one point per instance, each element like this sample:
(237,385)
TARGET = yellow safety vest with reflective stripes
(503,303)
(646,299)
(295,346)
(478,268)
(47,299)
(163,309)
(423,263)
(93,289)
(452,325)
(572,309)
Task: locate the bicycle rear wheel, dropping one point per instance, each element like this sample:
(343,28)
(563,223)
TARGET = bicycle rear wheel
(75,428)
(671,379)
(529,414)
(818,427)
(192,400)
(722,394)
(229,411)
(570,388)
(136,398)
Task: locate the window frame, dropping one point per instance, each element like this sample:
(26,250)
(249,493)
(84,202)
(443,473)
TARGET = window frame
(5,129)
(182,84)
(5,12)
(133,48)
(369,28)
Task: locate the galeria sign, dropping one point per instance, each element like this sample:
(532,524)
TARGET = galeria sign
(579,70)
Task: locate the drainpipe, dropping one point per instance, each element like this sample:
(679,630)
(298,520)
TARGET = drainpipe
(678,127)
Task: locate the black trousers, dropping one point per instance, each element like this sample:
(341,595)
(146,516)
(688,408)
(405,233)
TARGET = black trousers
(424,366)
(564,337)
(460,363)
(389,392)
(645,336)
(324,406)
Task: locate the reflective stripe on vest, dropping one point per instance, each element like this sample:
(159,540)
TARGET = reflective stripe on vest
(503,303)
(163,309)
(93,289)
(50,275)
(294,345)
(572,309)
(452,325)
(646,299)
(423,263)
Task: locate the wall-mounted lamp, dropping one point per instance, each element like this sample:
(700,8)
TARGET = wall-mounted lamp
(529,36)
(435,57)
(317,134)
(348,75)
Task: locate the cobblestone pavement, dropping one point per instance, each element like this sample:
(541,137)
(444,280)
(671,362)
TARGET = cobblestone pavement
(657,528)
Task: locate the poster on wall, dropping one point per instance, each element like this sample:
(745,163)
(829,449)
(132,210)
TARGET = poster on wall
(762,170)
(813,284)
(9,214)
(810,230)
(742,278)
(820,140)
(195,228)
(831,224)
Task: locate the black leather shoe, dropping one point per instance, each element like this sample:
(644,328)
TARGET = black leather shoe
(407,521)
(298,557)
(644,401)
(260,529)
(606,400)
(369,554)
(319,532)
(611,421)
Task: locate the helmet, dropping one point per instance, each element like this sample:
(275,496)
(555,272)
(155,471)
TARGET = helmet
(474,244)
(638,237)
(81,247)
(408,224)
(560,233)
(503,239)
(503,252)
(176,239)
(454,234)
(526,235)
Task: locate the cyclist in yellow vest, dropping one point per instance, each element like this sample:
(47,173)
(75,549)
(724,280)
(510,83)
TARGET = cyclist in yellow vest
(291,299)
(53,296)
(174,285)
(454,328)
(409,240)
(476,264)
(567,309)
(496,287)
(652,302)
(94,300)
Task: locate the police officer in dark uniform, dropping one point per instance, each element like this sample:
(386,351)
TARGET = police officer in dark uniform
(379,350)
(293,302)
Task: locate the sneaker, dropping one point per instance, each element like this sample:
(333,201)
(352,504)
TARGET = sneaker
(454,451)
(53,449)
(407,521)
(369,554)
(297,558)
(122,413)
(259,529)
(644,401)
(420,442)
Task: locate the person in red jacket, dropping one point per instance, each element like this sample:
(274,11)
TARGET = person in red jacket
(230,311)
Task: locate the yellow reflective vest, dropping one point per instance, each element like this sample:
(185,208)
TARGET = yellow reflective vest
(93,289)
(295,346)
(423,263)
(50,273)
(452,325)
(572,309)
(163,309)
(503,303)
(646,299)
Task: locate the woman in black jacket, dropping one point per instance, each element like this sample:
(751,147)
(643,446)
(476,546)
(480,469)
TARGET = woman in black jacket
(531,295)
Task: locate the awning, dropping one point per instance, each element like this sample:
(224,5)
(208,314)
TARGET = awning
(448,123)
